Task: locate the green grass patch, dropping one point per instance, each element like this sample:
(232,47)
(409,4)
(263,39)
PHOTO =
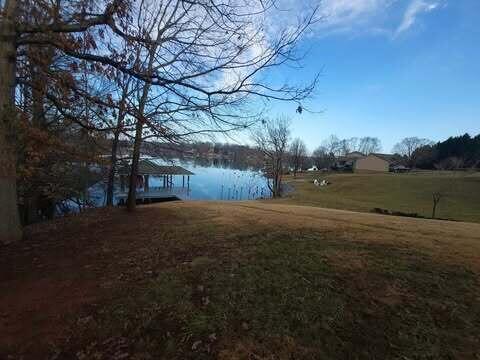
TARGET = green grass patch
(409,193)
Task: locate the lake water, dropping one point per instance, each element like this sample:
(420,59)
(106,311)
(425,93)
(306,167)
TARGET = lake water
(208,183)
(221,183)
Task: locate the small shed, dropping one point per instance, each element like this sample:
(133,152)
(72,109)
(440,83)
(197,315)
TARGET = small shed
(371,163)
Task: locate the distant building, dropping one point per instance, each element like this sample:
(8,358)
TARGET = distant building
(346,163)
(355,155)
(396,162)
(371,163)
(375,162)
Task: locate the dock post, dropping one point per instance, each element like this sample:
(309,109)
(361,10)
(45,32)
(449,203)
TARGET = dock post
(188,181)
(146,185)
(122,183)
(183,180)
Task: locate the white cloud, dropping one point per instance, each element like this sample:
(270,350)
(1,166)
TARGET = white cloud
(416,8)
(335,15)
(346,12)
(358,17)
(377,17)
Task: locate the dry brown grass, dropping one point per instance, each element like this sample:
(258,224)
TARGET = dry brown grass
(452,241)
(241,280)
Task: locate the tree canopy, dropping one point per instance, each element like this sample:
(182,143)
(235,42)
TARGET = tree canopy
(83,71)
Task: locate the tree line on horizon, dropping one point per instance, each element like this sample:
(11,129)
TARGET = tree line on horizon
(457,152)
(454,153)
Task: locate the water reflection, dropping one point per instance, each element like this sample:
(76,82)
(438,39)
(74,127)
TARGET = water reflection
(218,181)
(210,182)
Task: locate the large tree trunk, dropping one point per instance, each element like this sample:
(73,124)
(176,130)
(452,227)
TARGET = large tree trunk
(10,228)
(113,169)
(277,170)
(35,203)
(132,189)
(113,164)
(279,177)
(132,195)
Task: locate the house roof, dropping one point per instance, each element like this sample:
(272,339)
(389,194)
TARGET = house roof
(386,157)
(148,167)
(355,154)
(393,159)
(351,156)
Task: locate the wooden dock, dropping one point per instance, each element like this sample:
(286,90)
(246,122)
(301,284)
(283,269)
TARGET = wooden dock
(156,194)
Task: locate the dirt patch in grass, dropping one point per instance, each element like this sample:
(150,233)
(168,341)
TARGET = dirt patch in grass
(241,281)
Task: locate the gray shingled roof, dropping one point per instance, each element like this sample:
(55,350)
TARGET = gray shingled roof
(148,167)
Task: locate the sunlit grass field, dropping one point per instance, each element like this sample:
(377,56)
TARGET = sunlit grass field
(409,193)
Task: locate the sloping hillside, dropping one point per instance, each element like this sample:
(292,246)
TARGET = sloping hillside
(241,280)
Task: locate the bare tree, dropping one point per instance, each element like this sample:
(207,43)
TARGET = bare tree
(125,92)
(199,68)
(436,197)
(272,140)
(298,153)
(341,147)
(203,67)
(408,145)
(322,158)
(353,144)
(28,27)
(333,145)
(368,145)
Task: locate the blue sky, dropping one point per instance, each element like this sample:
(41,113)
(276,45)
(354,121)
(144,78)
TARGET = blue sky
(390,69)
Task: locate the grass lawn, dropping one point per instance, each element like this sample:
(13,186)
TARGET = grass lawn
(410,193)
(241,280)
